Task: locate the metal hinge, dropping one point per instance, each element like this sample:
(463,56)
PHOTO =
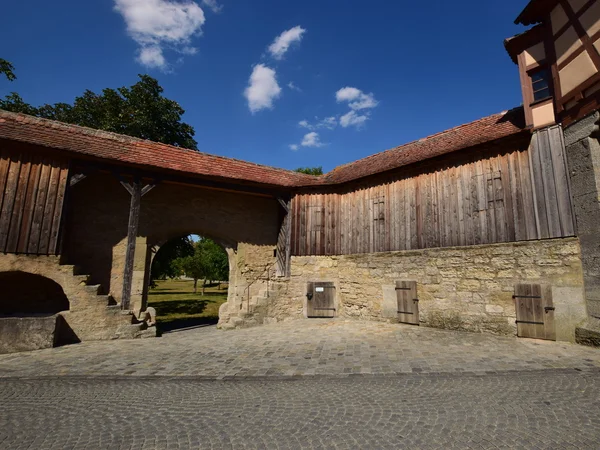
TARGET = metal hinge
(405,312)
(324,309)
(526,296)
(549,308)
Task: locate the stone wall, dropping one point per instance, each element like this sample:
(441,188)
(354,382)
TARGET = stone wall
(467,288)
(88,314)
(583,154)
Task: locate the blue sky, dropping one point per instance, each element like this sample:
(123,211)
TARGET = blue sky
(413,68)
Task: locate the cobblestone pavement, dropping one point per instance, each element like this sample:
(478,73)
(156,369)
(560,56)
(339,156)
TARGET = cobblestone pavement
(300,385)
(336,347)
(550,409)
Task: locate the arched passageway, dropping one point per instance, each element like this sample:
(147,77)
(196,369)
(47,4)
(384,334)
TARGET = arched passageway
(188,282)
(26,294)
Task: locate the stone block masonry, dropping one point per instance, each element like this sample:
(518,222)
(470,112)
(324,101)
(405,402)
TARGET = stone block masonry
(468,288)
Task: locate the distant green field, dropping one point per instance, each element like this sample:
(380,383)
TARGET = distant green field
(177,306)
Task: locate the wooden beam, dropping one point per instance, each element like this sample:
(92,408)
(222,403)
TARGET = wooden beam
(288,243)
(76,178)
(128,186)
(148,188)
(283,204)
(134,219)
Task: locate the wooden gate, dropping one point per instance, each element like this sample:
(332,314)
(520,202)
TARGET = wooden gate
(408,303)
(535,312)
(320,300)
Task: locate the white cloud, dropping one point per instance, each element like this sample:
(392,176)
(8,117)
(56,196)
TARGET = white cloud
(329,123)
(356,98)
(294,147)
(312,140)
(156,24)
(347,94)
(282,43)
(357,101)
(293,87)
(213,5)
(262,88)
(353,119)
(152,57)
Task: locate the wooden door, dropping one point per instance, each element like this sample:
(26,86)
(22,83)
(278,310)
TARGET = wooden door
(535,311)
(321,300)
(408,303)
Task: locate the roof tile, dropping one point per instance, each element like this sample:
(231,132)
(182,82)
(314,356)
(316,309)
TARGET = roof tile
(147,154)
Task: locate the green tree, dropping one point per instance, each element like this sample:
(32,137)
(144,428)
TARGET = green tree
(139,111)
(162,265)
(310,170)
(209,262)
(7,69)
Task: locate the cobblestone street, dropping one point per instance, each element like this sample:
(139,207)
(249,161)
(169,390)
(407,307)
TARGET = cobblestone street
(304,384)
(302,347)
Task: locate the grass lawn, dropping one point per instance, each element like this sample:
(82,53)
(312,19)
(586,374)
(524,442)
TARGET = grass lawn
(177,306)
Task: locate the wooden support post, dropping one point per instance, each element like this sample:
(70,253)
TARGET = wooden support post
(288,244)
(135,189)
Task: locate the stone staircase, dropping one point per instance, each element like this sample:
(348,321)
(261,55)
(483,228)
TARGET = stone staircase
(257,310)
(95,315)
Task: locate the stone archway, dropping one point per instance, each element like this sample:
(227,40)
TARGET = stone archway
(180,299)
(246,225)
(27,294)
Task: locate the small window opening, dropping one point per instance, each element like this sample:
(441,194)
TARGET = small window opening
(540,81)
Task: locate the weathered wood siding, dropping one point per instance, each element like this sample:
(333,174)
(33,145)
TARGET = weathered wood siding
(32,191)
(481,197)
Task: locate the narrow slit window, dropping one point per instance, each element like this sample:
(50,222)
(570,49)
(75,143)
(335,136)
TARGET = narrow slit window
(540,82)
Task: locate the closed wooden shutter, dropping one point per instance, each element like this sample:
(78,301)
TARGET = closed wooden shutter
(535,311)
(408,303)
(321,300)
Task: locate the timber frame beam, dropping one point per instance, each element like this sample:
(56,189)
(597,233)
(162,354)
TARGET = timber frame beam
(137,190)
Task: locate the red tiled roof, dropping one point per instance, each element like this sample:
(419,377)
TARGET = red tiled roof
(475,133)
(132,151)
(141,153)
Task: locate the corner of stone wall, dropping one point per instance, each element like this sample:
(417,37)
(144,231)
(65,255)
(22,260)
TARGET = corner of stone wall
(583,156)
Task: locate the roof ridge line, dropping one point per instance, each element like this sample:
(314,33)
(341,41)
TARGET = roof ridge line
(426,138)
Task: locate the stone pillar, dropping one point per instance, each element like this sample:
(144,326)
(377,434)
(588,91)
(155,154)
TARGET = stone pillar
(583,154)
(139,275)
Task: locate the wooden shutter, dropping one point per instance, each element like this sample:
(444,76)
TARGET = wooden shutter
(535,311)
(321,300)
(408,303)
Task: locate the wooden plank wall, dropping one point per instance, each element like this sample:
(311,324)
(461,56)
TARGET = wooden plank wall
(482,198)
(32,192)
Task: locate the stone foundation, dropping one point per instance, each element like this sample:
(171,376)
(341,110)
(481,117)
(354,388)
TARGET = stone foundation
(466,288)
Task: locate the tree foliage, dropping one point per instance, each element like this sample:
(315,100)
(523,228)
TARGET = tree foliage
(139,111)
(162,265)
(208,262)
(310,170)
(7,69)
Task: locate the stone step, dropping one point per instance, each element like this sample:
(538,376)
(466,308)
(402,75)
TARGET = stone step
(82,279)
(116,310)
(94,289)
